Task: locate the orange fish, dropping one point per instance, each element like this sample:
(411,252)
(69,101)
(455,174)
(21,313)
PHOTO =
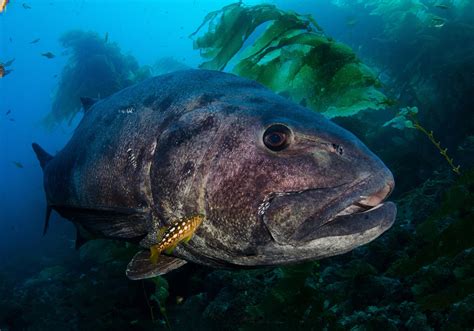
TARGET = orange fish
(171,236)
(3,5)
(3,71)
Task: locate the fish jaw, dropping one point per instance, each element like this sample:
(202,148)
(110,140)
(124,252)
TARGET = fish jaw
(338,237)
(316,226)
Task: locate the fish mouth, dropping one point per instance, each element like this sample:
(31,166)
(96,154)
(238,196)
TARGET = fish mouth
(295,218)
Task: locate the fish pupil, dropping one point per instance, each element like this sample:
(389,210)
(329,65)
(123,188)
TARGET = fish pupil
(276,139)
(276,136)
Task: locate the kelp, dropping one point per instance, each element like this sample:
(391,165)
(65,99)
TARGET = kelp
(398,15)
(95,68)
(407,17)
(407,118)
(292,56)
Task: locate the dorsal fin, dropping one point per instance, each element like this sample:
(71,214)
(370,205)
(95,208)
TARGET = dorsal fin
(42,155)
(87,103)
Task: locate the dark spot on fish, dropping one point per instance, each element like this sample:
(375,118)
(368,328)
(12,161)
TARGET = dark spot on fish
(207,124)
(165,103)
(183,134)
(228,143)
(187,169)
(206,99)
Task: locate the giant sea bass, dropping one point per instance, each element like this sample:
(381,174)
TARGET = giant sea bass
(211,168)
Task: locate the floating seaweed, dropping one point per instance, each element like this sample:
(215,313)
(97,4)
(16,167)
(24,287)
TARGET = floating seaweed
(96,68)
(292,56)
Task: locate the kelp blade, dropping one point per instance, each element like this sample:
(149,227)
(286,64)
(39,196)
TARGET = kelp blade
(292,56)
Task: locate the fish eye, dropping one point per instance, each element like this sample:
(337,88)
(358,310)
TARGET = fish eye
(276,137)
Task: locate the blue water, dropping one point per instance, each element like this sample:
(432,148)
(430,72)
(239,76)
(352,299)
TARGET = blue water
(153,29)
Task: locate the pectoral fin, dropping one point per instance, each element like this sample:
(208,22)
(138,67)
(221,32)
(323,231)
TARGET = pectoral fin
(141,267)
(188,238)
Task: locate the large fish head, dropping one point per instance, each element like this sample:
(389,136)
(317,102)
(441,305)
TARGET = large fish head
(285,184)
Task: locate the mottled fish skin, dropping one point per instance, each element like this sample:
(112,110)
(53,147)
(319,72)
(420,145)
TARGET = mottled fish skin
(191,143)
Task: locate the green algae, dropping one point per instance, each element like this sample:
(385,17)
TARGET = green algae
(292,56)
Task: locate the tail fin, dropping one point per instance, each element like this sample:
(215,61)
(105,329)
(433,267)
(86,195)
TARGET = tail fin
(42,155)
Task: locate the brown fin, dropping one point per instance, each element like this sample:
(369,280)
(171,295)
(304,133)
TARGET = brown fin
(140,267)
(42,155)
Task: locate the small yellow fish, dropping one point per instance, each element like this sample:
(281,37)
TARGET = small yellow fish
(3,5)
(171,236)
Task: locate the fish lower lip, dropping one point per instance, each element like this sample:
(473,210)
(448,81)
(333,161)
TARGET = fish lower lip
(379,217)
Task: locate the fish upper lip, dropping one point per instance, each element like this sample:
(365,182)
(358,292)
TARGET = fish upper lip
(366,203)
(265,204)
(360,203)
